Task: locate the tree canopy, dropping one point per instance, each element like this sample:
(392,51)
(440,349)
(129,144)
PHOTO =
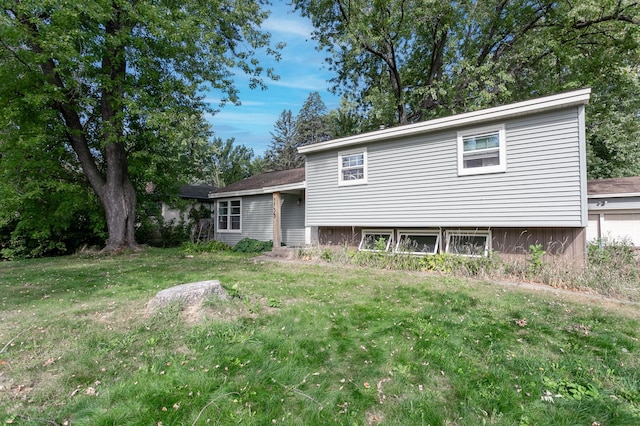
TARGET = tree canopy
(312,124)
(114,87)
(404,61)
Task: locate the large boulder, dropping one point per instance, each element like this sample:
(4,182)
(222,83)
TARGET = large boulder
(187,295)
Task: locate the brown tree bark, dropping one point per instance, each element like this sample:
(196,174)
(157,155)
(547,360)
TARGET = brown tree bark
(113,185)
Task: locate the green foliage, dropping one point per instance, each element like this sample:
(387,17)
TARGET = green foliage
(536,253)
(249,245)
(311,125)
(212,246)
(228,163)
(464,56)
(282,153)
(159,233)
(112,90)
(344,346)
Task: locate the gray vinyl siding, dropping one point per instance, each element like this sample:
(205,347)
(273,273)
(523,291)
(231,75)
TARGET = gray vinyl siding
(256,222)
(414,182)
(292,220)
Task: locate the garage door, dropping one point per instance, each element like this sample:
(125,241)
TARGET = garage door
(615,226)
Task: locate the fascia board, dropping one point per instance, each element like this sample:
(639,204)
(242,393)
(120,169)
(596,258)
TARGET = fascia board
(562,100)
(259,191)
(615,195)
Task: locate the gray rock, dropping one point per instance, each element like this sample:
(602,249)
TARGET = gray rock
(187,294)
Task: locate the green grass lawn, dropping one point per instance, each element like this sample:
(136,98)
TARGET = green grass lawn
(305,344)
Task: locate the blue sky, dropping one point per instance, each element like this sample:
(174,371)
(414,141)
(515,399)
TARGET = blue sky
(301,69)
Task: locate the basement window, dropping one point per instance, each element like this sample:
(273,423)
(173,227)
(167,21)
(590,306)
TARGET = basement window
(376,240)
(468,243)
(418,242)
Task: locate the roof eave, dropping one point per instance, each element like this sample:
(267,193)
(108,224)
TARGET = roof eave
(562,100)
(260,191)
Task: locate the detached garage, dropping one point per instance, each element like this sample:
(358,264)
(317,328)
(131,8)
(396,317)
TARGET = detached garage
(614,209)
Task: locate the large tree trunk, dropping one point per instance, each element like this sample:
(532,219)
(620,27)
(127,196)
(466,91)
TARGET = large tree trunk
(118,197)
(117,193)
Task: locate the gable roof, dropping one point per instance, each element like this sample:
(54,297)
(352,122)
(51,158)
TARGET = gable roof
(562,100)
(264,183)
(615,187)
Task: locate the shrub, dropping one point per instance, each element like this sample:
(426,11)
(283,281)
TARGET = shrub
(205,247)
(249,245)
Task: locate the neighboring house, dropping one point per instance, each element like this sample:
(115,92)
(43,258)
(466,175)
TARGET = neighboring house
(614,210)
(269,206)
(198,194)
(500,179)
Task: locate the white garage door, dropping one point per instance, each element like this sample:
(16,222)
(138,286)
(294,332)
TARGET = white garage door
(623,225)
(616,226)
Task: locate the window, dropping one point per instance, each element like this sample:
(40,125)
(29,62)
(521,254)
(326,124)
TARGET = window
(352,167)
(376,240)
(229,216)
(468,243)
(418,242)
(482,151)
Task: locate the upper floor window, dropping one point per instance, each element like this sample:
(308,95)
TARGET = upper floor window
(352,167)
(230,216)
(482,151)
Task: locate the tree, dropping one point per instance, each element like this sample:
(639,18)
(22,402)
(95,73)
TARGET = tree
(405,61)
(282,153)
(229,163)
(311,123)
(112,81)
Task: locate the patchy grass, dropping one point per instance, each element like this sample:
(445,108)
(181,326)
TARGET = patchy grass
(304,344)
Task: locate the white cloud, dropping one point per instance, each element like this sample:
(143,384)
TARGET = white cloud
(294,26)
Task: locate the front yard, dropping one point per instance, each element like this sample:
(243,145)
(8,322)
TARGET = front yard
(304,344)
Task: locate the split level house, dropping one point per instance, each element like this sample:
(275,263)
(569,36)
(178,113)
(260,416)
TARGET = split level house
(501,179)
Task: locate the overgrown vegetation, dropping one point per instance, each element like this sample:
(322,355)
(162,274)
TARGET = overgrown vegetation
(304,344)
(249,245)
(612,269)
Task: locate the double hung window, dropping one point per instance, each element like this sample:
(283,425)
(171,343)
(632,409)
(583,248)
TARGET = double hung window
(352,167)
(230,215)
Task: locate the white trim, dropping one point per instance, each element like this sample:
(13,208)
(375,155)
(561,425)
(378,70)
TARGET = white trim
(562,100)
(421,232)
(469,233)
(229,215)
(616,195)
(502,150)
(363,181)
(582,146)
(366,232)
(260,191)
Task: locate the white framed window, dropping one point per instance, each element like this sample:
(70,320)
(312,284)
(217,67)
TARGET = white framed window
(376,240)
(352,167)
(468,243)
(482,151)
(418,242)
(230,215)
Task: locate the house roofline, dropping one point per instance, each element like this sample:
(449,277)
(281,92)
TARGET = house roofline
(259,191)
(561,100)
